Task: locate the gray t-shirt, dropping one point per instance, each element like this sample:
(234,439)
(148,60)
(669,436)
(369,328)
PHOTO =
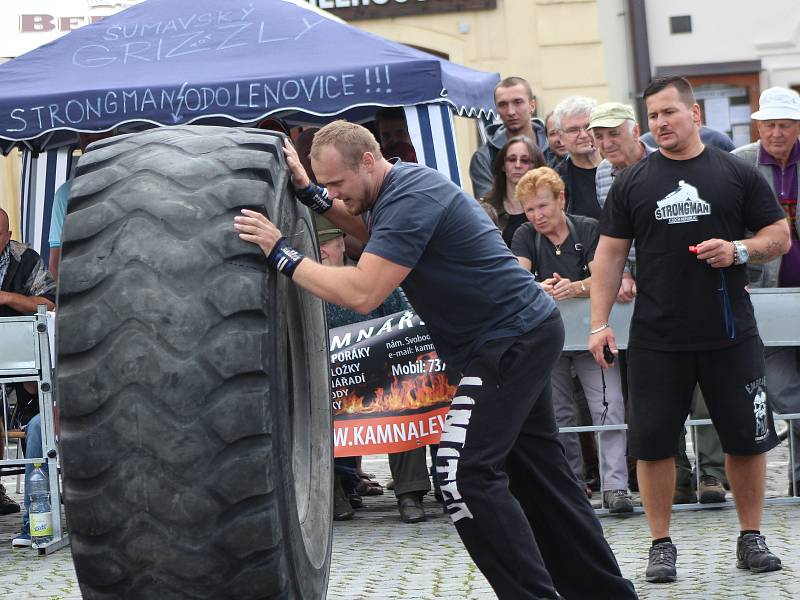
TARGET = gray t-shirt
(464,282)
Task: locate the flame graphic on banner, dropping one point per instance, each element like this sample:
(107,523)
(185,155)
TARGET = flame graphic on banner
(406,393)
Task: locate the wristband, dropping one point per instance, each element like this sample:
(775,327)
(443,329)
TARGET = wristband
(599,329)
(316,198)
(284,258)
(583,288)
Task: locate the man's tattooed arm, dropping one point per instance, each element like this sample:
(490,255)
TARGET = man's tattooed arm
(769,242)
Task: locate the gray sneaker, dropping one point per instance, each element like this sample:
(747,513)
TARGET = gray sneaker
(617,502)
(752,553)
(661,566)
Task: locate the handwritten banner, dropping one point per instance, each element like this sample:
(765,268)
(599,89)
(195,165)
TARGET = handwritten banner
(169,39)
(390,392)
(186,101)
(209,64)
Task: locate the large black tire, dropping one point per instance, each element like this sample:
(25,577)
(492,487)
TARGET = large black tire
(192,383)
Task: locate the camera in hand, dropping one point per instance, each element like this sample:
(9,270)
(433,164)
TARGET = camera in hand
(608,355)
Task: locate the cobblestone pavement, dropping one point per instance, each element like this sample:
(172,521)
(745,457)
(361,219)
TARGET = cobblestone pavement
(376,557)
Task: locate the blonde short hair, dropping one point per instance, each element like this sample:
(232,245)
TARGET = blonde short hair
(543,177)
(350,139)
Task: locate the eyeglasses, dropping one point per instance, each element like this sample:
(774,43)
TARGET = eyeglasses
(575,131)
(523,160)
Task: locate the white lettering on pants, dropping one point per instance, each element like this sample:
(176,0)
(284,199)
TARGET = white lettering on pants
(454,436)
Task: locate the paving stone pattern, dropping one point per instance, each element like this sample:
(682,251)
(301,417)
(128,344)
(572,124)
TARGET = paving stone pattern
(377,557)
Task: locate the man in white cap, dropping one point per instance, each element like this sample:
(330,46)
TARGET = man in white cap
(777,156)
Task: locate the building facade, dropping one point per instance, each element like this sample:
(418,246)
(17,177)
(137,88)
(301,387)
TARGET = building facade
(730,50)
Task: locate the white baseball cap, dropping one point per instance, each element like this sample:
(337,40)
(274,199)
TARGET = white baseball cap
(778,103)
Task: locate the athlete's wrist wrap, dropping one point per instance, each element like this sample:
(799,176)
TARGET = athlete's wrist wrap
(284,258)
(315,197)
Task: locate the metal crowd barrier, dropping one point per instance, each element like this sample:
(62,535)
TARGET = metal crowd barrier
(771,305)
(25,357)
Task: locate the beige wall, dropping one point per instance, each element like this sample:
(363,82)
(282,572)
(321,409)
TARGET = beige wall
(9,189)
(558,45)
(10,167)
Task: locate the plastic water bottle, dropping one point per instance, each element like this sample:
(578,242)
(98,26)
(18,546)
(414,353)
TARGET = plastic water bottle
(41,517)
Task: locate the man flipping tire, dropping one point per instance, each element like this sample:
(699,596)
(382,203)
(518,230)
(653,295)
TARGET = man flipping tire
(520,512)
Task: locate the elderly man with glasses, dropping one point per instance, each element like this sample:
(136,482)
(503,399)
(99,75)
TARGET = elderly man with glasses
(578,170)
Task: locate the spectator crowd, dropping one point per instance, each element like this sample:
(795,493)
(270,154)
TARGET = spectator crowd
(598,153)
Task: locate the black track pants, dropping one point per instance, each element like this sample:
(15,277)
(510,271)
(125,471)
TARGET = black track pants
(516,504)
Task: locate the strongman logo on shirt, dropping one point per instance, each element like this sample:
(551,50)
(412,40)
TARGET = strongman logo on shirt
(682,206)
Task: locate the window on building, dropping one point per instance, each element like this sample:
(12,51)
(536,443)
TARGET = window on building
(727,101)
(680,24)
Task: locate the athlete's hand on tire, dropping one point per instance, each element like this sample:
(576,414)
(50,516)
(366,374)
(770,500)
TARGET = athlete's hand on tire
(717,253)
(597,341)
(299,175)
(255,228)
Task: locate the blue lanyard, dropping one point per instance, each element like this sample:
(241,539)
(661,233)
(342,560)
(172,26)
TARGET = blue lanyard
(727,308)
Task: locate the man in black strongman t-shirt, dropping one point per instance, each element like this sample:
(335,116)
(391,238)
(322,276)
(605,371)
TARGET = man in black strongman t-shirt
(689,206)
(518,508)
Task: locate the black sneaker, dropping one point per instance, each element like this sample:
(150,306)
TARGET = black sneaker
(661,566)
(617,502)
(7,505)
(752,553)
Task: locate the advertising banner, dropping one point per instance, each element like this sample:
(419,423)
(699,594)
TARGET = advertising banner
(390,392)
